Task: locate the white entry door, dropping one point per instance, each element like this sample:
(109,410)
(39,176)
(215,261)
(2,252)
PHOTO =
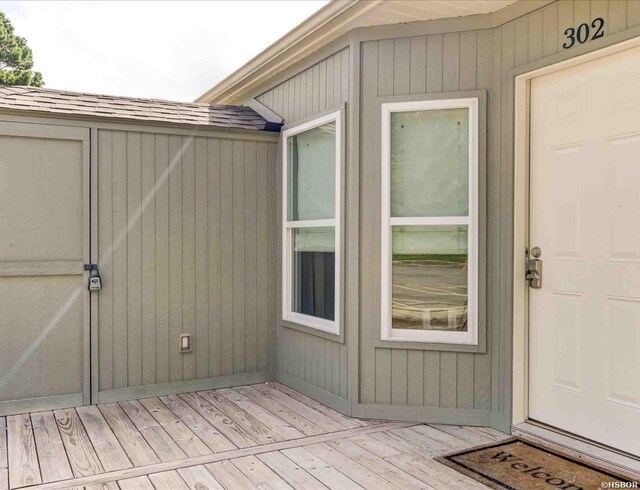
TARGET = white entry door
(584,372)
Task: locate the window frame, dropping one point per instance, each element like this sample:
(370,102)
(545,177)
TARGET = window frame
(388,333)
(332,327)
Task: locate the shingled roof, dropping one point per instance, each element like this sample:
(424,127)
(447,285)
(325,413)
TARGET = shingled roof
(129,108)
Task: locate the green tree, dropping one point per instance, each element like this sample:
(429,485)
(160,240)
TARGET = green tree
(16,58)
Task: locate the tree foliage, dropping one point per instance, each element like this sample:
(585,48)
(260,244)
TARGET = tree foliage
(16,58)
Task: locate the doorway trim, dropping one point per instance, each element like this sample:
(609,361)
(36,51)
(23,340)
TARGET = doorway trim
(522,94)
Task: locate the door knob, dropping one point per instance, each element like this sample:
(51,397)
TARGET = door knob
(534,269)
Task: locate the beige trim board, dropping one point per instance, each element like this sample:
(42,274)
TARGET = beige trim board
(173,388)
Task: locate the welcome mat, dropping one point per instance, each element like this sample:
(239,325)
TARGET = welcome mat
(518,465)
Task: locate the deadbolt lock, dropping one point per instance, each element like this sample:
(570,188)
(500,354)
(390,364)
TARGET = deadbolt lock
(534,269)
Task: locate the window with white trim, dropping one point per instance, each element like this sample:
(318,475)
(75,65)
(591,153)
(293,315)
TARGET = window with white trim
(429,221)
(311,223)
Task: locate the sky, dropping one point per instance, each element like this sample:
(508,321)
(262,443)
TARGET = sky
(173,50)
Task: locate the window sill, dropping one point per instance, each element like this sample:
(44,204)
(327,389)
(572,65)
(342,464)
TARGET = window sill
(289,323)
(479,348)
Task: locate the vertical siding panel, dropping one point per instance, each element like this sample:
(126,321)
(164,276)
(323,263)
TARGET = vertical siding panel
(434,63)
(431,389)
(344,72)
(367,234)
(464,398)
(506,178)
(329,348)
(226,260)
(521,41)
(296,99)
(134,260)
(468,61)
(274,251)
(214,244)
(322,89)
(415,377)
(344,371)
(418,74)
(315,76)
(482,362)
(581,12)
(399,369)
(451,62)
(385,67)
(251,260)
(337,78)
(148,259)
(448,379)
(105,251)
(330,82)
(617,16)
(162,257)
(633,13)
(202,354)
(493,205)
(550,29)
(599,8)
(565,19)
(238,259)
(264,281)
(120,348)
(175,257)
(383,375)
(535,35)
(188,251)
(308,93)
(401,66)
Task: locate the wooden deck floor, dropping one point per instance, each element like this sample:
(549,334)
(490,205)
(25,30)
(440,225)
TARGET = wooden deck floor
(260,436)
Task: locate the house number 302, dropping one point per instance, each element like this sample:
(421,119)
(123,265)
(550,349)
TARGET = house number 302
(584,33)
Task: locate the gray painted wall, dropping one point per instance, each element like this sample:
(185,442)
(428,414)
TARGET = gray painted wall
(474,53)
(314,363)
(186,244)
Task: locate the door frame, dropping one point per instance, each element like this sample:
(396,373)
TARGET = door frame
(522,94)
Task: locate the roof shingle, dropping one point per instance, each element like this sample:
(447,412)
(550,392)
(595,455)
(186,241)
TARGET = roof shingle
(129,108)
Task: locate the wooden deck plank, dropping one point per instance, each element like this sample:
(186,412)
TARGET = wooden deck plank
(320,419)
(315,466)
(452,442)
(236,434)
(374,446)
(198,478)
(276,424)
(464,433)
(260,474)
(230,476)
(161,443)
(290,472)
(384,469)
(82,456)
(21,445)
(304,425)
(168,480)
(349,422)
(252,426)
(176,428)
(132,441)
(428,444)
(110,485)
(137,483)
(110,453)
(4,479)
(208,432)
(54,463)
(354,470)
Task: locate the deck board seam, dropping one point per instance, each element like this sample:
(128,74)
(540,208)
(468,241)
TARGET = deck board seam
(215,457)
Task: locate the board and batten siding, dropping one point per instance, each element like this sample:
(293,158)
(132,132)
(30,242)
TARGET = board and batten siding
(186,244)
(311,363)
(452,62)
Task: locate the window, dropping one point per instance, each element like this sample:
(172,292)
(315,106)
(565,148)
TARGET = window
(429,221)
(311,218)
